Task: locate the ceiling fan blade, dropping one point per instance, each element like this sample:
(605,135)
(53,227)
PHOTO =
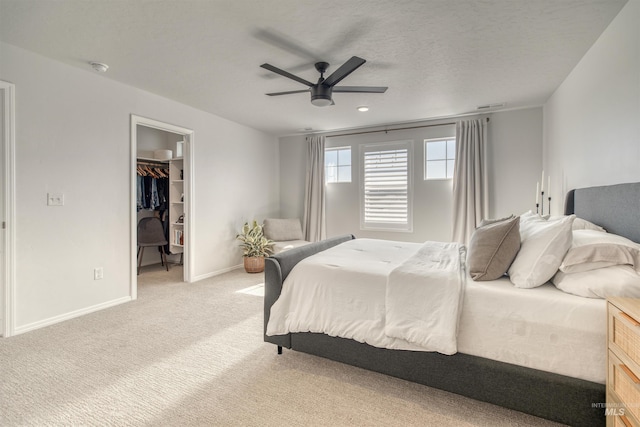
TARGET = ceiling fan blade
(360,89)
(286,74)
(345,69)
(287,93)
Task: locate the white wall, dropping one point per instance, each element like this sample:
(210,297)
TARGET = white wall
(592,121)
(514,156)
(293,169)
(72,136)
(150,139)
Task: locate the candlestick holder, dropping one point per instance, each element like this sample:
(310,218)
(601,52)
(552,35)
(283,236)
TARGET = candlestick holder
(549,200)
(537,208)
(542,204)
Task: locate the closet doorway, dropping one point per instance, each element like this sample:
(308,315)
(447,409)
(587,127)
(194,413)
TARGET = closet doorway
(151,142)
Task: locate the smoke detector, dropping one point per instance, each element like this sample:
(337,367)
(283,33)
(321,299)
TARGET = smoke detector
(99,67)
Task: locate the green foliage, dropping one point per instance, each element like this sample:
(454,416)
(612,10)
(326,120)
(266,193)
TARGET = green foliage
(254,244)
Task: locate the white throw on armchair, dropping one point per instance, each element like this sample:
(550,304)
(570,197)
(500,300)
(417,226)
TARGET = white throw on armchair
(285,232)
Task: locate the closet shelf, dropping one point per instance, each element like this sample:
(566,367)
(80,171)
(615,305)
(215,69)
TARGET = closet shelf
(177,229)
(160,160)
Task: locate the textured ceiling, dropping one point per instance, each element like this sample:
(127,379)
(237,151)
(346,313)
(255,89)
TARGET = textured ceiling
(438,57)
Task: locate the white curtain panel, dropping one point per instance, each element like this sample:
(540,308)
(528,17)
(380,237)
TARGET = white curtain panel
(470,183)
(314,205)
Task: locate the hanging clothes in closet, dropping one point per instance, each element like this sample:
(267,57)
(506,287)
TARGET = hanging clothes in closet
(152,182)
(152,186)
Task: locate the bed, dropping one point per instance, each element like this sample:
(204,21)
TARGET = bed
(487,369)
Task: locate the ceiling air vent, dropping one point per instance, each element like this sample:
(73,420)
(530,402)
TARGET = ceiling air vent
(490,106)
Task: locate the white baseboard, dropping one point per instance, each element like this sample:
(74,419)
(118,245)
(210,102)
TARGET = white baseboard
(71,315)
(217,273)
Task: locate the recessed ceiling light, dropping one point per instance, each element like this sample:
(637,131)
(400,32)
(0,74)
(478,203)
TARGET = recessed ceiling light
(363,108)
(99,66)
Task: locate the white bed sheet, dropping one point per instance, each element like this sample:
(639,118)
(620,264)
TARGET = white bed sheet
(541,328)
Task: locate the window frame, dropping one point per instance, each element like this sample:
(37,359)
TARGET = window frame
(379,225)
(337,150)
(425,160)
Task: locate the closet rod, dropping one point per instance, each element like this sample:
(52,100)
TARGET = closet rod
(391,130)
(153,163)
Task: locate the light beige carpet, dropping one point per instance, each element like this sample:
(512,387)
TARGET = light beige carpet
(193,355)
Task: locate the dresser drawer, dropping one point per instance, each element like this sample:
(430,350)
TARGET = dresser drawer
(624,333)
(626,386)
(621,421)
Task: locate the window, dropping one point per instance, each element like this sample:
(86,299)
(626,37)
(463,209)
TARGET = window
(386,186)
(337,164)
(439,158)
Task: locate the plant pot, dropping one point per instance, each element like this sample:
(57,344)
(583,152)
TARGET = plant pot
(254,264)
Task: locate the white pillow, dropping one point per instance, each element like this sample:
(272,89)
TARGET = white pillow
(530,215)
(583,224)
(618,280)
(543,246)
(591,250)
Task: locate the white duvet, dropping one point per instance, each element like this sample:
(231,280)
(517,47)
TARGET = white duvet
(387,294)
(343,292)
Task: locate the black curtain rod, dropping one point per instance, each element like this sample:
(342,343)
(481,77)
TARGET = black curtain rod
(391,130)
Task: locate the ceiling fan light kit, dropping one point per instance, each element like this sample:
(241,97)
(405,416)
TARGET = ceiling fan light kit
(321,96)
(322,91)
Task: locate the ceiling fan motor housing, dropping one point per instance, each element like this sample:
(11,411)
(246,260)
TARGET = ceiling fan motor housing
(321,95)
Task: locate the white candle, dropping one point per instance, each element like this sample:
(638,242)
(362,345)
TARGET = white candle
(537,192)
(542,181)
(549,186)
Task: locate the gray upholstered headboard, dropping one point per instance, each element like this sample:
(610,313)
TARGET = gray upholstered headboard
(614,207)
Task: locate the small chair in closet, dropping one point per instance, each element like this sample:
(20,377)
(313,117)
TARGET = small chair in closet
(151,233)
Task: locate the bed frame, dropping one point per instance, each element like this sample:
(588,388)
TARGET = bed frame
(555,397)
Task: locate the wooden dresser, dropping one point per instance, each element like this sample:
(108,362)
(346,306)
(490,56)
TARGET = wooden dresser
(623,372)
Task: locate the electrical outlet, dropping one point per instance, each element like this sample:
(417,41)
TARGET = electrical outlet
(98,273)
(55,199)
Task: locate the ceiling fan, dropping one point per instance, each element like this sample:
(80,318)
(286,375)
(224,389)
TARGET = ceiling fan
(322,90)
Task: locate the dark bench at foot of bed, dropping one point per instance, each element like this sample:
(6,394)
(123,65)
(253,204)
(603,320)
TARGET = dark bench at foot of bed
(555,397)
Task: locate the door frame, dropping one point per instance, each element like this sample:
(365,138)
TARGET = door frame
(8,240)
(188,156)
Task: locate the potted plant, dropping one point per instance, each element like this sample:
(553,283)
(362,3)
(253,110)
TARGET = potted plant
(254,247)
